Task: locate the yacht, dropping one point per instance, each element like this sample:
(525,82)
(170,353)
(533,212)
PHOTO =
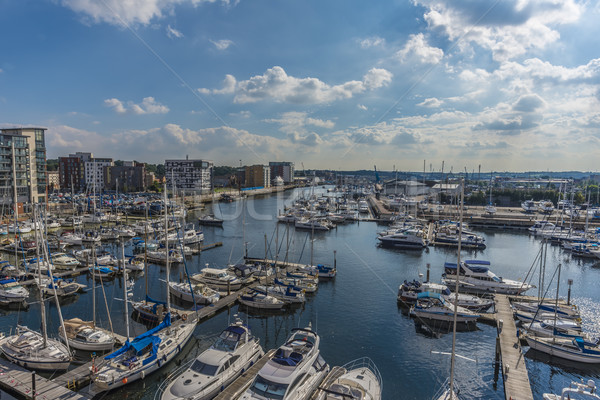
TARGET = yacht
(542,226)
(404,239)
(259,300)
(576,349)
(144,354)
(84,335)
(287,294)
(217,279)
(210,220)
(31,349)
(529,206)
(294,372)
(202,293)
(313,224)
(433,306)
(359,380)
(409,291)
(11,291)
(545,206)
(363,206)
(64,261)
(448,235)
(233,353)
(475,276)
(160,256)
(577,390)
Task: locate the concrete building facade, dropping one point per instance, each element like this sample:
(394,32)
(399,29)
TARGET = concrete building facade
(258,176)
(95,169)
(129,177)
(283,169)
(189,175)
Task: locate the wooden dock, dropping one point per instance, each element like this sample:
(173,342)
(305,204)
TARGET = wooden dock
(18,380)
(238,386)
(508,348)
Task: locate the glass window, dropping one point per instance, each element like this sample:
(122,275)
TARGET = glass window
(268,389)
(204,369)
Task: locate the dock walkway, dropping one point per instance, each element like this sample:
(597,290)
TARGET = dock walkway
(19,380)
(237,387)
(514,370)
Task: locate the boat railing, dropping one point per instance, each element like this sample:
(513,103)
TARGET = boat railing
(365,362)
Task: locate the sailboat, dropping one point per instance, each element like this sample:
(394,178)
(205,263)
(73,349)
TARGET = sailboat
(490,208)
(211,219)
(32,349)
(149,351)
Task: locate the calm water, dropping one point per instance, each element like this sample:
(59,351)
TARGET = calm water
(356,315)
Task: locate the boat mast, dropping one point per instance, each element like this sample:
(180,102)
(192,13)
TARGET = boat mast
(125,288)
(167,246)
(94,288)
(43,304)
(453,356)
(15,204)
(146,245)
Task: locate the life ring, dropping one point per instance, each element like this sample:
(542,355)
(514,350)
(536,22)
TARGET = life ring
(184,317)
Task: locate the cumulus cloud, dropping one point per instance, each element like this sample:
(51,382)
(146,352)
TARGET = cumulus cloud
(276,85)
(147,106)
(528,103)
(371,42)
(507,28)
(222,44)
(417,49)
(431,102)
(173,33)
(117,12)
(362,107)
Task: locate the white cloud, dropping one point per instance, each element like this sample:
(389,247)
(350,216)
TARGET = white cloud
(417,49)
(431,102)
(371,42)
(242,114)
(277,86)
(362,107)
(173,33)
(508,28)
(148,106)
(222,44)
(117,12)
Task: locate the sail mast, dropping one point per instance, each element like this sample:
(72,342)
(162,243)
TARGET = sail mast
(452,356)
(167,246)
(15,202)
(39,268)
(125,288)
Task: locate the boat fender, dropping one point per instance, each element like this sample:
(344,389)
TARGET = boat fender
(178,348)
(158,363)
(222,388)
(143,374)
(165,357)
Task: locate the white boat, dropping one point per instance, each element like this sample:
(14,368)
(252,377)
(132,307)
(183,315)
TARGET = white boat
(259,300)
(143,355)
(84,335)
(294,372)
(64,261)
(312,224)
(545,206)
(404,239)
(202,293)
(285,293)
(360,380)
(475,276)
(562,311)
(160,256)
(191,236)
(577,390)
(23,227)
(11,291)
(363,206)
(10,271)
(210,220)
(217,279)
(529,206)
(32,350)
(448,235)
(526,317)
(433,306)
(214,369)
(72,221)
(542,226)
(62,287)
(560,329)
(409,291)
(576,349)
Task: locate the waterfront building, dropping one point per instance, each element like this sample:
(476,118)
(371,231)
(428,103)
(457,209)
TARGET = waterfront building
(71,170)
(407,188)
(30,164)
(189,175)
(53,180)
(258,176)
(95,171)
(282,169)
(129,177)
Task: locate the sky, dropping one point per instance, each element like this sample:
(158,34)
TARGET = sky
(505,85)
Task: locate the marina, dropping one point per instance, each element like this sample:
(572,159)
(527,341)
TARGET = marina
(333,308)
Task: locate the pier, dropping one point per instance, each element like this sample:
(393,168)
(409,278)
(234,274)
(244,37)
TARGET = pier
(237,387)
(21,381)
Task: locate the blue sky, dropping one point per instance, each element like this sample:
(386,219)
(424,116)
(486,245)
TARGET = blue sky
(339,84)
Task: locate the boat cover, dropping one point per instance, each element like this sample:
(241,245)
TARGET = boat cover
(429,295)
(142,341)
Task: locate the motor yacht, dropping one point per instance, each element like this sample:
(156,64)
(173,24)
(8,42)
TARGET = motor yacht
(476,277)
(217,279)
(202,293)
(261,301)
(434,307)
(358,380)
(404,239)
(529,206)
(409,291)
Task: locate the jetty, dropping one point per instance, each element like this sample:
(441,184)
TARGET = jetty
(27,384)
(237,387)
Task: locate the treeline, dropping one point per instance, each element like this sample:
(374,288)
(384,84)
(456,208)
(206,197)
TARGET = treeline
(514,197)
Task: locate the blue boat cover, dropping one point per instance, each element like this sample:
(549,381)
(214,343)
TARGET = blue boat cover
(236,329)
(429,295)
(4,281)
(477,262)
(142,341)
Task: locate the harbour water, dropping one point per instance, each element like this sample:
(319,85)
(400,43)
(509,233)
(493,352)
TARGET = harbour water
(356,314)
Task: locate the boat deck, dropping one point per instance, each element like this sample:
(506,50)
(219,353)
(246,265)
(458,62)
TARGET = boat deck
(514,370)
(238,386)
(334,374)
(18,380)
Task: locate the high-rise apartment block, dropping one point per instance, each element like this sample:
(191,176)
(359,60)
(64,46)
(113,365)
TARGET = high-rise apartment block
(189,175)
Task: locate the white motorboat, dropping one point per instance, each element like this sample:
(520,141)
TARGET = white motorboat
(562,311)
(576,349)
(202,293)
(11,291)
(192,236)
(408,292)
(32,350)
(529,206)
(217,279)
(210,220)
(294,372)
(363,206)
(559,328)
(577,390)
(313,224)
(448,236)
(259,300)
(287,294)
(475,276)
(545,206)
(23,227)
(10,271)
(143,355)
(72,221)
(433,306)
(64,261)
(542,226)
(360,380)
(411,238)
(84,335)
(214,369)
(62,287)
(160,256)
